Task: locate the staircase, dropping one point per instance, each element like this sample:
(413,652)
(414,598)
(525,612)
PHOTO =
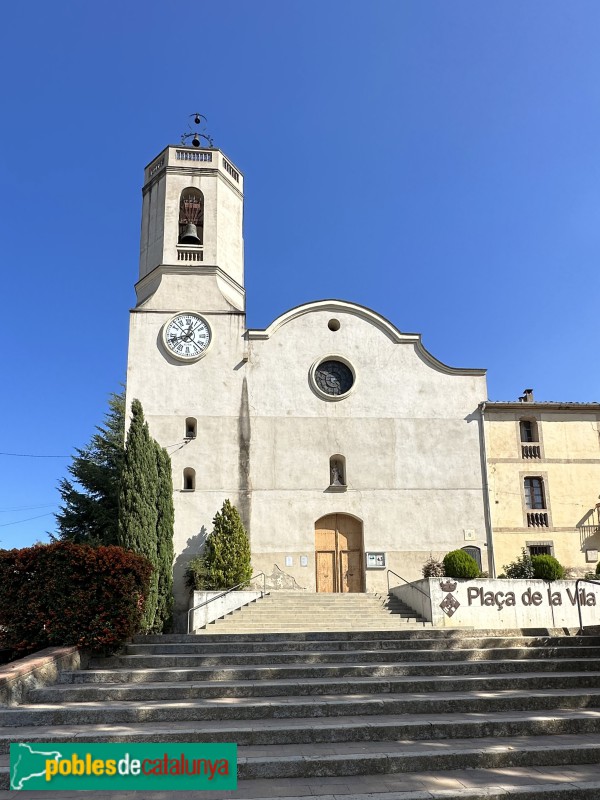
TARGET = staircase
(283,612)
(389,714)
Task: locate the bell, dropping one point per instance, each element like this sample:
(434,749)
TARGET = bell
(190,235)
(196,140)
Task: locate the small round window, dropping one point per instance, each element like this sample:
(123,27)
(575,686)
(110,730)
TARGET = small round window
(333,378)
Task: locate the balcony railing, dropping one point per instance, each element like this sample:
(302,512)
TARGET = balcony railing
(537,519)
(530,451)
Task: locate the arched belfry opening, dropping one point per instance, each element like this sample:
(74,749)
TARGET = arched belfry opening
(339,556)
(191,217)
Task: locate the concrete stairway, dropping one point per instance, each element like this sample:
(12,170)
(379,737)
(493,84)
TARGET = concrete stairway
(297,612)
(392,714)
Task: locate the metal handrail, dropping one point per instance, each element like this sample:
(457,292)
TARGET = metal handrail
(577,582)
(405,581)
(227,591)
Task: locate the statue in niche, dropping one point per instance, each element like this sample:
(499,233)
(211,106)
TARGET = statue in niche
(337,474)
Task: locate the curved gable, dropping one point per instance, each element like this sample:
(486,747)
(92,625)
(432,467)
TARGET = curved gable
(367,314)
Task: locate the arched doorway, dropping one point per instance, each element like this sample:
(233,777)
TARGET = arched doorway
(339,554)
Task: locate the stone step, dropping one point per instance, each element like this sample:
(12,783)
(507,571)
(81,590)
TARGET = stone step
(192,645)
(317,761)
(325,730)
(289,761)
(578,782)
(547,635)
(298,628)
(307,671)
(283,657)
(227,708)
(168,690)
(334,712)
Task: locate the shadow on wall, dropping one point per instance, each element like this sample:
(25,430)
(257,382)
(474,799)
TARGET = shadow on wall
(193,547)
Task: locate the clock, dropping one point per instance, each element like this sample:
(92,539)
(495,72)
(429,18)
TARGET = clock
(187,336)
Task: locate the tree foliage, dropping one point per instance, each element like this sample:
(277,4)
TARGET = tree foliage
(433,568)
(164,541)
(226,557)
(90,499)
(70,594)
(521,568)
(138,512)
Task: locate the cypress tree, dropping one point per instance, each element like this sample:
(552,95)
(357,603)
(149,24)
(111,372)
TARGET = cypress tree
(164,537)
(89,513)
(138,507)
(227,551)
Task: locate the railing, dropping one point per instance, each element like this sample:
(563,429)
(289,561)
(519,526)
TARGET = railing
(158,165)
(537,519)
(228,168)
(577,582)
(192,155)
(226,592)
(391,572)
(530,451)
(190,255)
(589,530)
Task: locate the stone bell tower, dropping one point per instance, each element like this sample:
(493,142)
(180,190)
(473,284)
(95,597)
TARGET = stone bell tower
(187,333)
(192,217)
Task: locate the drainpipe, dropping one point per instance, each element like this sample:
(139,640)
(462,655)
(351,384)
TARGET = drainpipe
(486,495)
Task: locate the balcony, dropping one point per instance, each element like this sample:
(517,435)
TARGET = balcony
(530,451)
(537,519)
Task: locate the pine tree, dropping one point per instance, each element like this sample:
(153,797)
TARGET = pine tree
(89,511)
(164,536)
(138,511)
(227,551)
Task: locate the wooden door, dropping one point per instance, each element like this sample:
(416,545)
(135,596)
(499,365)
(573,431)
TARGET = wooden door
(326,571)
(339,554)
(350,571)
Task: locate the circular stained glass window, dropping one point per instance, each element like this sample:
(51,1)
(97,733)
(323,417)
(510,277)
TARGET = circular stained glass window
(333,378)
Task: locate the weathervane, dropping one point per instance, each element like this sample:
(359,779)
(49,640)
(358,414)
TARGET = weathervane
(197,136)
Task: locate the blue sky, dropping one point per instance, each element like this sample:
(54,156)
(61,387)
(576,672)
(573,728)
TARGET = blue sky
(435,160)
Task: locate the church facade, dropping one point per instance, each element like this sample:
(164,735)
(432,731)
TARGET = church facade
(347,447)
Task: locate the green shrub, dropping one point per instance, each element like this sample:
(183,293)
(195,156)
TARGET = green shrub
(547,568)
(433,568)
(71,594)
(195,573)
(521,568)
(226,557)
(458,564)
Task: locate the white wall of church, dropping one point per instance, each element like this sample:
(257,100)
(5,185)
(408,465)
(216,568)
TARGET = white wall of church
(409,434)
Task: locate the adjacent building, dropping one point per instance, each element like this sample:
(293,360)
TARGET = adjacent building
(544,480)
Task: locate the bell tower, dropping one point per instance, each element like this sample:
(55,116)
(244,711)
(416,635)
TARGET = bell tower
(187,334)
(192,217)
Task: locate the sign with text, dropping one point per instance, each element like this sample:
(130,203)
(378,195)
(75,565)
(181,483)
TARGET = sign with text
(123,767)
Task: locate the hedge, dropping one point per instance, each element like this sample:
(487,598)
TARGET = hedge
(70,594)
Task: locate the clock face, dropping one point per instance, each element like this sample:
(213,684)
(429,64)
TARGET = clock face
(187,336)
(333,378)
